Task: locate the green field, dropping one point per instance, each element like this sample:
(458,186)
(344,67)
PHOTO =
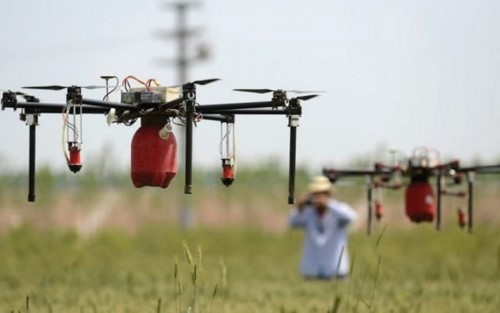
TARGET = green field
(244,270)
(92,243)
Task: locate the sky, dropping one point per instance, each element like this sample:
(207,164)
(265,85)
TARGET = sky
(397,74)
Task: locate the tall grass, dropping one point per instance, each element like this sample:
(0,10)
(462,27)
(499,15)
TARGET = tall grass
(113,271)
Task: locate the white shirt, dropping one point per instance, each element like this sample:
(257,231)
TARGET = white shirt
(325,241)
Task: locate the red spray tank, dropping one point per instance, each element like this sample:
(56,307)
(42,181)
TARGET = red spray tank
(228,151)
(420,201)
(74,160)
(154,154)
(462,218)
(227,172)
(379,210)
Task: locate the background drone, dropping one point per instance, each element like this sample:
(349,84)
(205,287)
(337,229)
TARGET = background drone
(422,203)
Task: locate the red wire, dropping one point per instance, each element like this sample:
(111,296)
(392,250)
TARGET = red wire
(126,84)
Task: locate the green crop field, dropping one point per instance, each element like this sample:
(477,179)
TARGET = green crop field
(163,269)
(92,243)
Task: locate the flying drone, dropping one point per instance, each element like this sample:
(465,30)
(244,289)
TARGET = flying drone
(154,147)
(422,203)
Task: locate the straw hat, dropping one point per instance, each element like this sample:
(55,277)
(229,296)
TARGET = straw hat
(319,184)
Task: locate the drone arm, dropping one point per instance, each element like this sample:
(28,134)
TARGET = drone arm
(171,104)
(218,118)
(483,169)
(37,108)
(33,105)
(209,108)
(108,104)
(251,112)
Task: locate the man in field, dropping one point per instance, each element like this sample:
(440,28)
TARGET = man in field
(325,222)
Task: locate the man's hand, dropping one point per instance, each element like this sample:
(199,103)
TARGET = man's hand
(303,202)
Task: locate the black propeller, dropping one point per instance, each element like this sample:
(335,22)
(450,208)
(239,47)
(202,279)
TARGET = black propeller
(205,81)
(59,87)
(254,90)
(305,98)
(266,90)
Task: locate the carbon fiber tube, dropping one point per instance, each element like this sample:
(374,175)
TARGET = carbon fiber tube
(470,187)
(291,166)
(189,148)
(31,178)
(233,106)
(370,207)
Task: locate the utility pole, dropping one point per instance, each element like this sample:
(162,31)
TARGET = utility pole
(182,35)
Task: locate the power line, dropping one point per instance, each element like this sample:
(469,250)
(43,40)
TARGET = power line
(183,34)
